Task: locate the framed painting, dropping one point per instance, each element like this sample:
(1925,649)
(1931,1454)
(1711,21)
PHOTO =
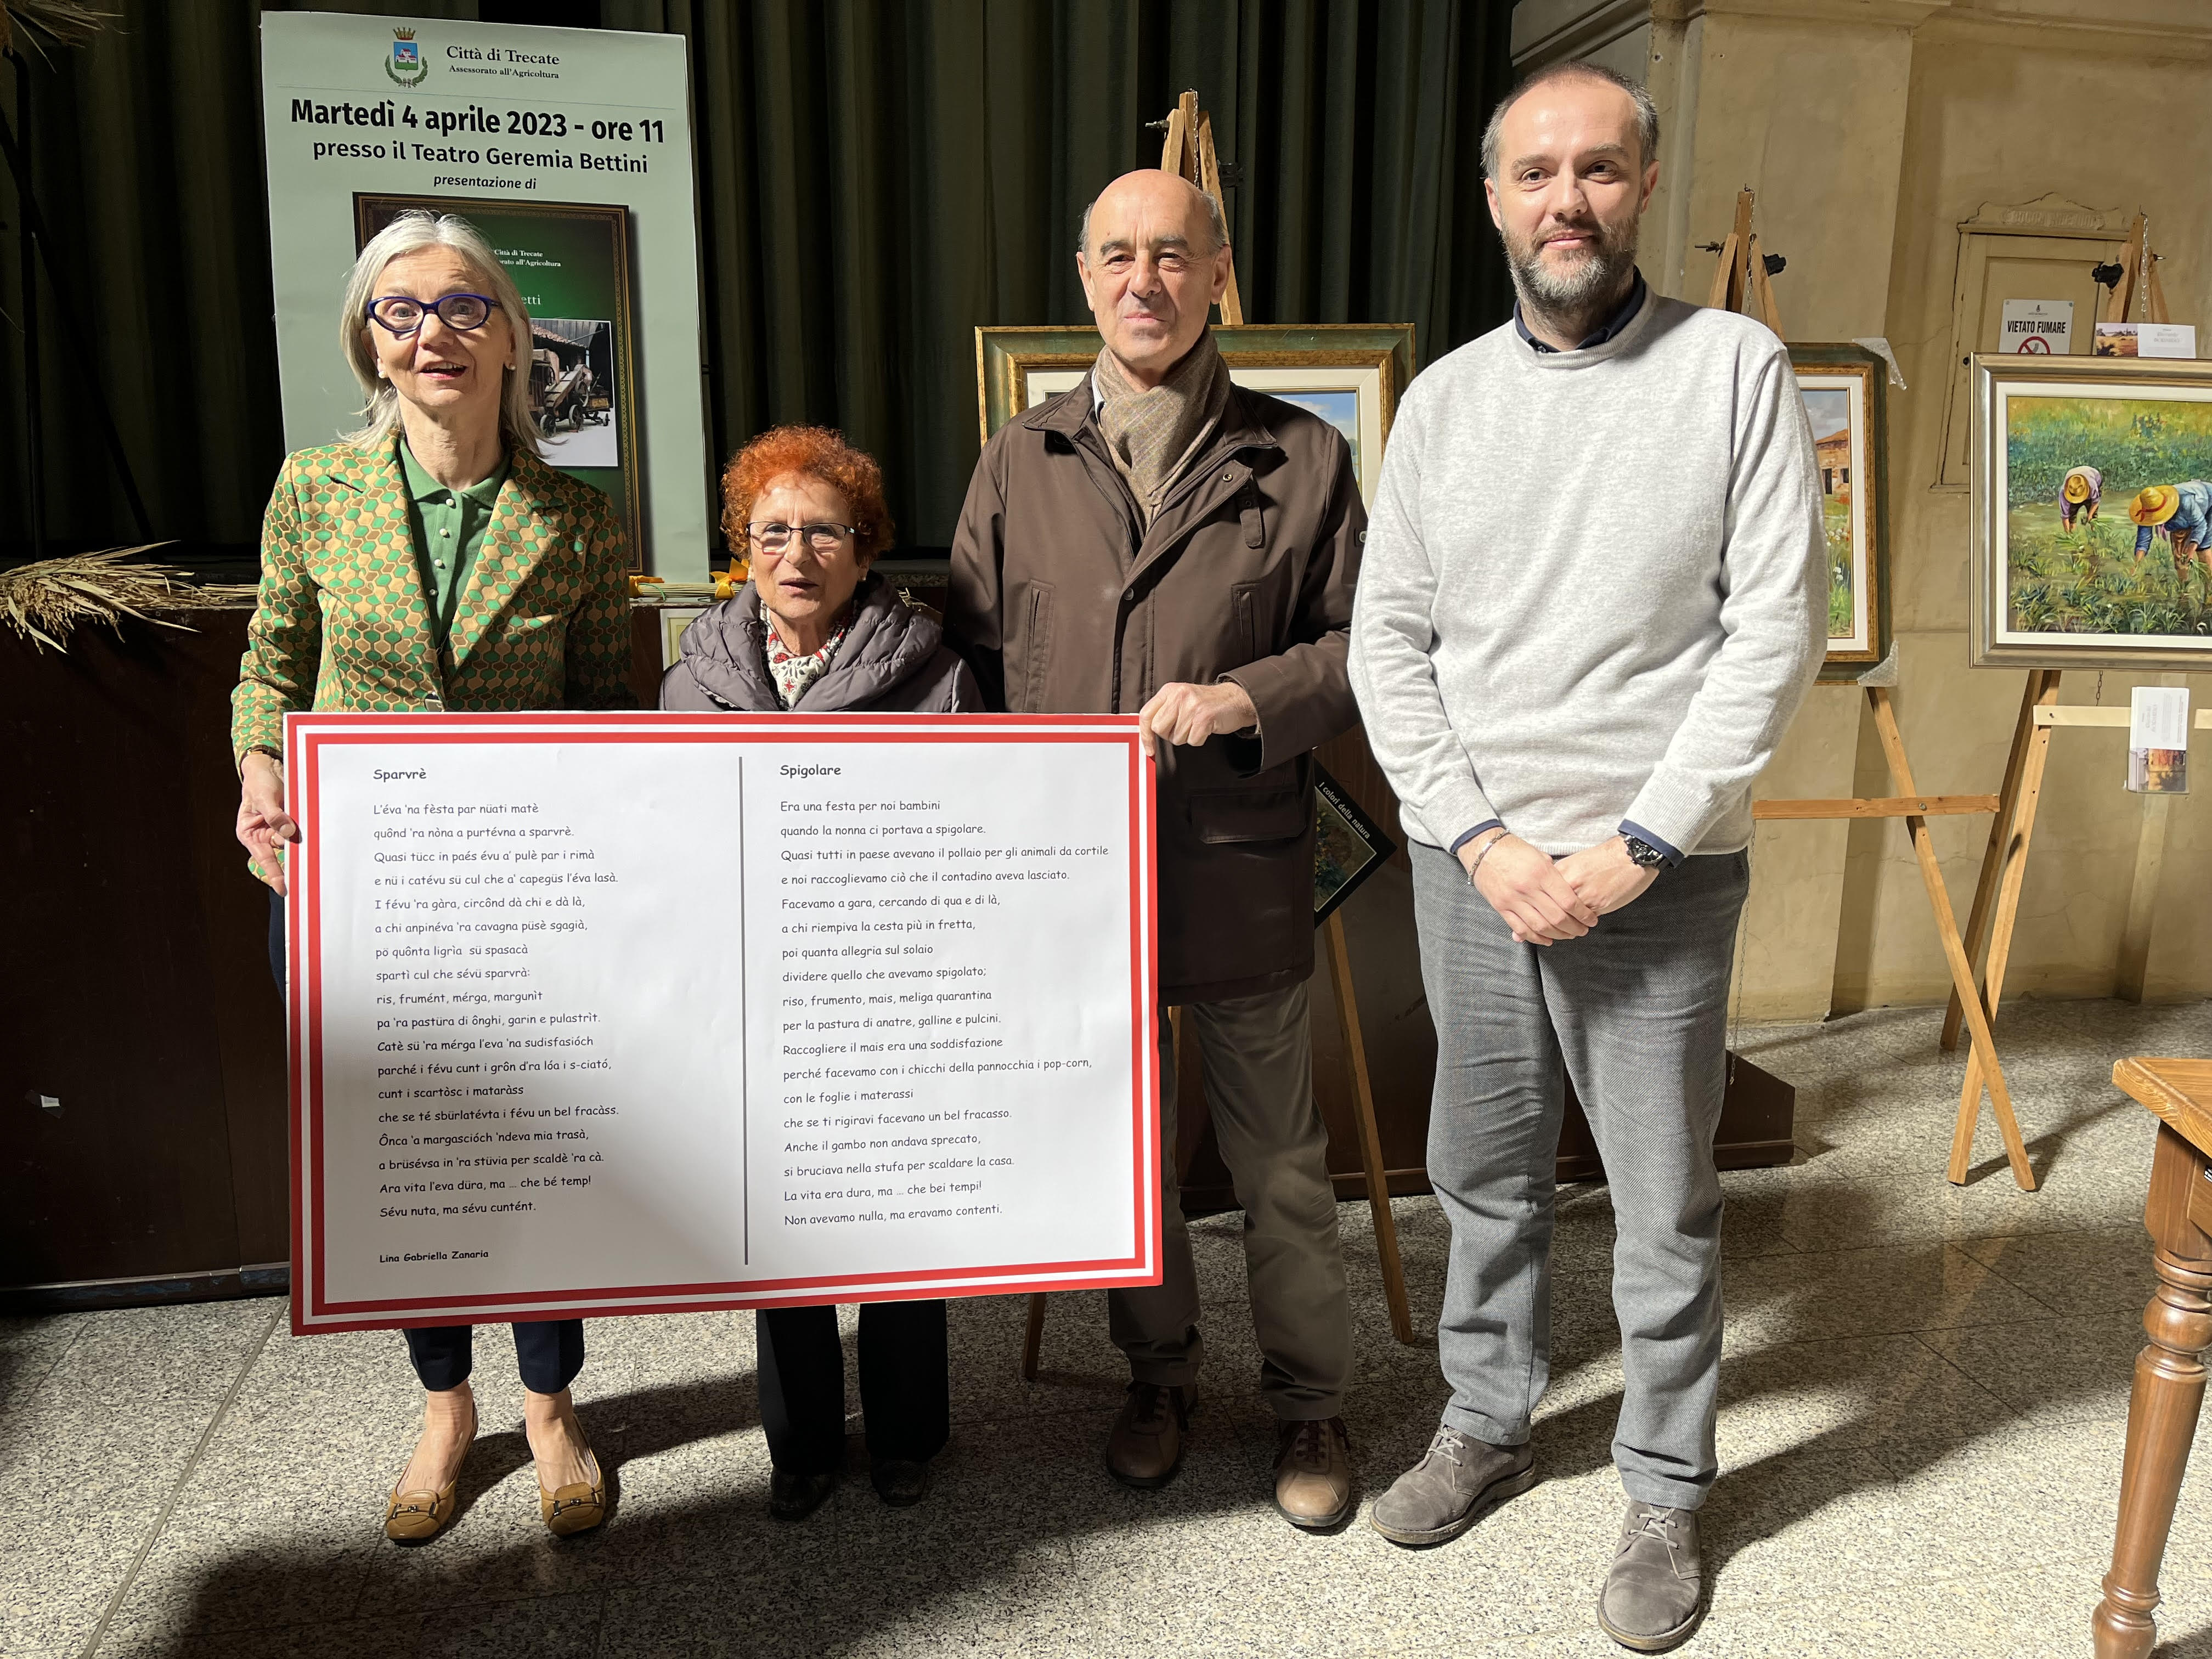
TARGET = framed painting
(1351,374)
(571,261)
(2092,498)
(1845,392)
(1348,846)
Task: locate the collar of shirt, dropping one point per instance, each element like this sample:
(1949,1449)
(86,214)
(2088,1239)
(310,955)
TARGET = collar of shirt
(1606,330)
(422,487)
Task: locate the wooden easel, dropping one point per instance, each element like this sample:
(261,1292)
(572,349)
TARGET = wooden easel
(2004,860)
(1189,151)
(1741,281)
(1915,810)
(1370,1135)
(1742,278)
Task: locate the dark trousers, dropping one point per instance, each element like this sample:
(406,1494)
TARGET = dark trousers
(549,1353)
(276,939)
(906,1389)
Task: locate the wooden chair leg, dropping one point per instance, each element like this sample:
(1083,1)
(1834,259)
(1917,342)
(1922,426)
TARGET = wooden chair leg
(1371,1136)
(2162,1411)
(1033,1338)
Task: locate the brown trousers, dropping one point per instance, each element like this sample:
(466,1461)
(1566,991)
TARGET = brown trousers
(1258,1088)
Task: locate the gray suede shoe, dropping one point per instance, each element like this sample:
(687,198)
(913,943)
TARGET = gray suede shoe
(1458,1480)
(1653,1596)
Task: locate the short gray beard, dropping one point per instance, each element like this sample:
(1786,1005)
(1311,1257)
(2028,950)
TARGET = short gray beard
(1571,297)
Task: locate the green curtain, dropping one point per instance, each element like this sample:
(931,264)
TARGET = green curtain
(877,178)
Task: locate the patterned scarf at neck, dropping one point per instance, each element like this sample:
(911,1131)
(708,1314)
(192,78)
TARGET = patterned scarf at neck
(1154,435)
(792,672)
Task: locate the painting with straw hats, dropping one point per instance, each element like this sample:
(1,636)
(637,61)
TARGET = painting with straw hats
(2091,513)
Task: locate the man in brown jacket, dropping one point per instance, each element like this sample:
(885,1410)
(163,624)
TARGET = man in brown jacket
(1161,540)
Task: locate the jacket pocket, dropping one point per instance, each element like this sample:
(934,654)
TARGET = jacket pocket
(1235,817)
(1244,619)
(1036,646)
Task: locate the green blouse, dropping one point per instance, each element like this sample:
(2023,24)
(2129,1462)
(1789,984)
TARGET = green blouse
(449,527)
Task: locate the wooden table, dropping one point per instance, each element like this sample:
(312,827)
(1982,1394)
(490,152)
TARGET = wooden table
(2169,1387)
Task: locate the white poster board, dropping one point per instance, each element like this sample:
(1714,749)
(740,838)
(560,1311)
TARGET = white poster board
(644,1013)
(478,117)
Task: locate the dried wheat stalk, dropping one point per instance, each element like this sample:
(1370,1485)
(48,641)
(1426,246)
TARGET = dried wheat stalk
(44,601)
(65,22)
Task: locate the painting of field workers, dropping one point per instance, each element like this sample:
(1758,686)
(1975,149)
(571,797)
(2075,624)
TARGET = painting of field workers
(2108,516)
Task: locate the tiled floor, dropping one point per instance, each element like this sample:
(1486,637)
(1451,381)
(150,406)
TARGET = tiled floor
(1922,1417)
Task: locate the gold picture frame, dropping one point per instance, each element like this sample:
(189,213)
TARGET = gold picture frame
(2058,583)
(1845,389)
(1352,374)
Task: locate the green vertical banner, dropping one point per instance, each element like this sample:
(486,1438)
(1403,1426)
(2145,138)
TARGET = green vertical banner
(570,151)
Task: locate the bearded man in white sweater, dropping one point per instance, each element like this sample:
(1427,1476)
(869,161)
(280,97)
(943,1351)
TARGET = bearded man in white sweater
(1572,723)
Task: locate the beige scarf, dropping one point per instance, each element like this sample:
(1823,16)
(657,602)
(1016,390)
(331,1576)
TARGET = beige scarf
(1154,435)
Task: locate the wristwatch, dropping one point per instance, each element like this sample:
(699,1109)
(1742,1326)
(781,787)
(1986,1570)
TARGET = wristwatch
(1642,854)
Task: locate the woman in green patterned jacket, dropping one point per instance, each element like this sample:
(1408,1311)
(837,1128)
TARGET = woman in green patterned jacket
(431,560)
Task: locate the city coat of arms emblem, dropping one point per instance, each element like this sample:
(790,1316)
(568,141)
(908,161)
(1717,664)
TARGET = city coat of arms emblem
(406,66)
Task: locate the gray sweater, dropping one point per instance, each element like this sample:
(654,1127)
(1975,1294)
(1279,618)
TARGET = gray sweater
(1594,585)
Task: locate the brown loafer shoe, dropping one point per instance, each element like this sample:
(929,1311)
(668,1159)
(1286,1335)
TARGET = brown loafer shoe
(1146,1447)
(1313,1473)
(575,1508)
(416,1517)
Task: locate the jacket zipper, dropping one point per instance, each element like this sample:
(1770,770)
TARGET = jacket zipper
(1130,521)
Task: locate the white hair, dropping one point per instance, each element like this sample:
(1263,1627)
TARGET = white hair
(410,232)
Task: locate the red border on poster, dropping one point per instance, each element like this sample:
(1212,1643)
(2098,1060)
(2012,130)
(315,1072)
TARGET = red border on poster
(305,737)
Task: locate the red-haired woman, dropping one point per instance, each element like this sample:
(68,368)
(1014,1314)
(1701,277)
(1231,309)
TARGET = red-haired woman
(815,630)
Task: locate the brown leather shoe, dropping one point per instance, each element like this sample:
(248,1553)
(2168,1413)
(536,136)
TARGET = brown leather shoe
(1313,1473)
(1145,1448)
(416,1517)
(578,1507)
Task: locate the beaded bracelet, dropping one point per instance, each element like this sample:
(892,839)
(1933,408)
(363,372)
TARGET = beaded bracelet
(1488,847)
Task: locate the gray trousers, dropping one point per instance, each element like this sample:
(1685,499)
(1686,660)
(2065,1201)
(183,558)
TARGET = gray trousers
(1258,1088)
(1636,1013)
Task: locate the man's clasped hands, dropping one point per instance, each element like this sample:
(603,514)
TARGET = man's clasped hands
(1544,899)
